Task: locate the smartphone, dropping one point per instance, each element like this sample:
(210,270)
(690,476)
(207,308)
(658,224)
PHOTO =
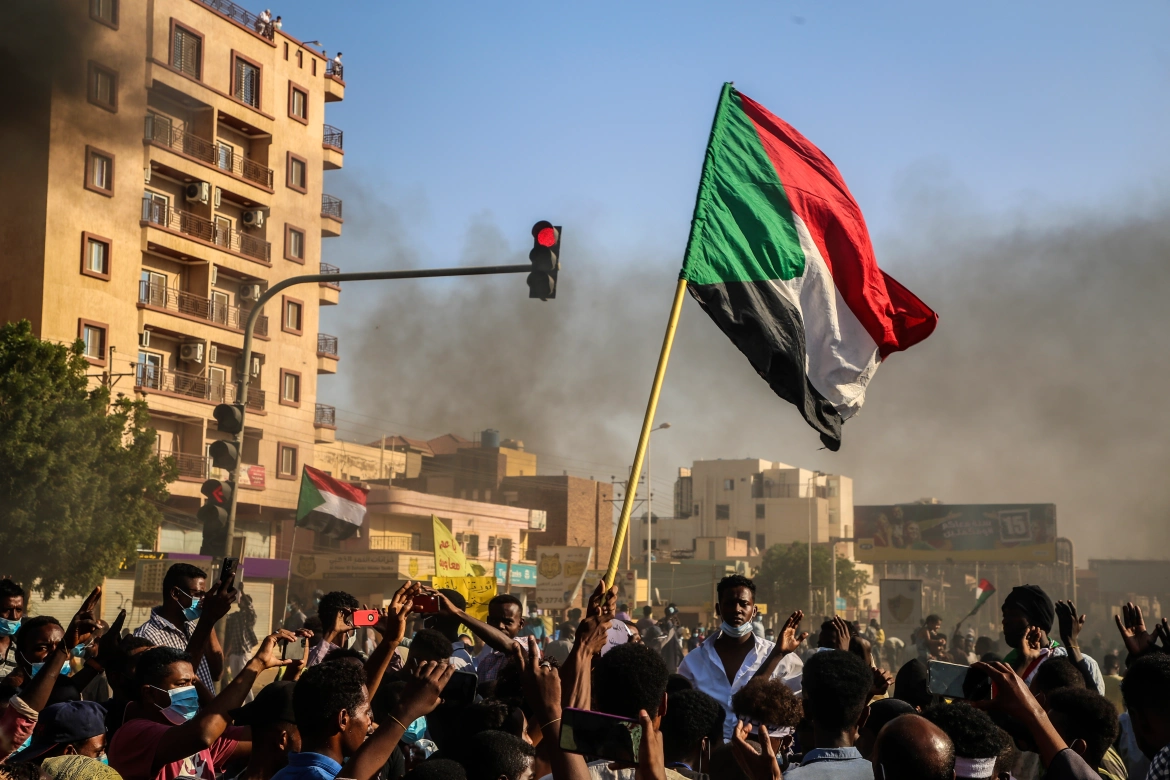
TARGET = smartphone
(227,569)
(947,680)
(426,603)
(599,735)
(460,689)
(365,618)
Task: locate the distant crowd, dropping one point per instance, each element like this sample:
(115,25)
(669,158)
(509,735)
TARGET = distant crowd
(433,693)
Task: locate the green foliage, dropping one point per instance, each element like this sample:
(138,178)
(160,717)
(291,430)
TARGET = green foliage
(79,475)
(782,579)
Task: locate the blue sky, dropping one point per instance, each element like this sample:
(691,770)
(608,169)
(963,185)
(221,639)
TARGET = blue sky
(466,122)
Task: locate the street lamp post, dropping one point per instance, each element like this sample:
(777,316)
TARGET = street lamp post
(650,521)
(811,496)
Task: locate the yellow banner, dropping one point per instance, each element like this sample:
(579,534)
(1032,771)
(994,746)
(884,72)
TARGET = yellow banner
(478,591)
(449,558)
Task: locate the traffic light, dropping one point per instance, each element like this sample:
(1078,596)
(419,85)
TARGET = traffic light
(230,417)
(224,455)
(545,257)
(214,516)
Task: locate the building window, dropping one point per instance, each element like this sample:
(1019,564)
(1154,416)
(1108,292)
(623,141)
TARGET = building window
(286,461)
(314,61)
(290,388)
(187,51)
(729,484)
(297,173)
(93,338)
(760,543)
(95,256)
(246,81)
(103,86)
(294,311)
(99,171)
(723,511)
(104,11)
(759,511)
(298,103)
(286,50)
(696,512)
(294,244)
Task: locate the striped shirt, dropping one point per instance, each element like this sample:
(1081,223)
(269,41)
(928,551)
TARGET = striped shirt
(163,633)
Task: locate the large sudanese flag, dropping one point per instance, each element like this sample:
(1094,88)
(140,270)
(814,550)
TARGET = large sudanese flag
(779,256)
(329,506)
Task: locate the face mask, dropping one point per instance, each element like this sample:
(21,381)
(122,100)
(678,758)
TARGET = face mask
(79,651)
(104,759)
(184,704)
(9,627)
(736,631)
(66,668)
(414,732)
(195,609)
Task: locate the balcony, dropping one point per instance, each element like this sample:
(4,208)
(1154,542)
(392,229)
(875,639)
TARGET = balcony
(392,543)
(202,229)
(334,156)
(162,131)
(149,378)
(190,466)
(330,216)
(329,293)
(327,356)
(334,83)
(325,423)
(190,306)
(240,16)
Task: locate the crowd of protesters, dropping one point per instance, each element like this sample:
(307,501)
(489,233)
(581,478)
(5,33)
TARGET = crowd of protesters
(87,701)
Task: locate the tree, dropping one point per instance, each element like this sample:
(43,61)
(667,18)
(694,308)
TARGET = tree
(80,478)
(782,579)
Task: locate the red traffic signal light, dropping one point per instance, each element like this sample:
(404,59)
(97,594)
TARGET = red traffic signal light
(546,236)
(545,257)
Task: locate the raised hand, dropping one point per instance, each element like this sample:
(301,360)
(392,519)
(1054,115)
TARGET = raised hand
(1070,623)
(651,757)
(392,624)
(758,761)
(882,681)
(423,690)
(217,602)
(1032,648)
(542,686)
(599,615)
(109,646)
(789,640)
(1132,626)
(269,655)
(841,632)
(83,625)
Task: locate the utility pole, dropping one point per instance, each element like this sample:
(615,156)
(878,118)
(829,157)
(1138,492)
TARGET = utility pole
(833,540)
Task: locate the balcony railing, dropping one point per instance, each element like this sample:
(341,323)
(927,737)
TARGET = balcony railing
(333,137)
(328,268)
(148,376)
(326,415)
(204,229)
(391,543)
(162,297)
(189,465)
(330,206)
(166,133)
(326,345)
(335,69)
(243,17)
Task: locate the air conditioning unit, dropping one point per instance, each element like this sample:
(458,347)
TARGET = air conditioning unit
(491,542)
(146,174)
(218,197)
(250,292)
(253,219)
(197,192)
(192,353)
(144,338)
(255,366)
(213,354)
(214,275)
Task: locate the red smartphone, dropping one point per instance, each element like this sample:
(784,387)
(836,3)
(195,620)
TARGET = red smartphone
(426,603)
(365,618)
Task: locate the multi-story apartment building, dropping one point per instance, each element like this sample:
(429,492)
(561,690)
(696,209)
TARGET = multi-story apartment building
(164,165)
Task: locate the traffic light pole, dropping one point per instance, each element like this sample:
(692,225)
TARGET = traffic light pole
(245,379)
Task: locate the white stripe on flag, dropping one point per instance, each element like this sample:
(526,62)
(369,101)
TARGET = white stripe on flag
(341,508)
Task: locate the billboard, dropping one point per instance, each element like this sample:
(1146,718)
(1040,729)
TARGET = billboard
(996,533)
(559,574)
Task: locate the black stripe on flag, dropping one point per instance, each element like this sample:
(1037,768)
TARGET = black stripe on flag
(769,331)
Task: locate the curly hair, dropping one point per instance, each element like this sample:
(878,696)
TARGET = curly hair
(734,581)
(1057,673)
(973,731)
(767,701)
(690,716)
(1087,715)
(334,603)
(1146,686)
(498,754)
(629,678)
(836,688)
(152,664)
(325,690)
(430,645)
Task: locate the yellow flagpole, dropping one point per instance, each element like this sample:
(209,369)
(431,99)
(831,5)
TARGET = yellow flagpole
(647,425)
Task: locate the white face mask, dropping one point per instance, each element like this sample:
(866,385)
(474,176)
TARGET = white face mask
(736,631)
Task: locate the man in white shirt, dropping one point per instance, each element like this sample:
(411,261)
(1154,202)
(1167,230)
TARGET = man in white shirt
(733,654)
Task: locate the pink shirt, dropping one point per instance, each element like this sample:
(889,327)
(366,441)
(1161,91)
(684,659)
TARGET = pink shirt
(131,753)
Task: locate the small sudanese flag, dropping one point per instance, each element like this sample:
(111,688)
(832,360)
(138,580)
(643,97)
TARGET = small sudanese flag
(329,506)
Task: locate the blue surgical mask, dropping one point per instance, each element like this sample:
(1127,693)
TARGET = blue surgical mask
(66,668)
(194,609)
(9,627)
(79,651)
(736,631)
(104,759)
(184,704)
(415,731)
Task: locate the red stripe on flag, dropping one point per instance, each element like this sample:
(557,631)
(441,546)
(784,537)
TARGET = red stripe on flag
(892,315)
(328,484)
(984,585)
